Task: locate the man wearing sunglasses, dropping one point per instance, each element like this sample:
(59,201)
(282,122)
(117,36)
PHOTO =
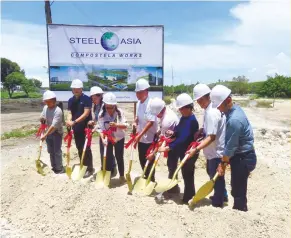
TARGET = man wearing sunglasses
(79,115)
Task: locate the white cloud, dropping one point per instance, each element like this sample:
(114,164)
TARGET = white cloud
(256,45)
(25,44)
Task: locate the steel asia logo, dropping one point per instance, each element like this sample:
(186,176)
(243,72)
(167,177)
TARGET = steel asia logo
(110,42)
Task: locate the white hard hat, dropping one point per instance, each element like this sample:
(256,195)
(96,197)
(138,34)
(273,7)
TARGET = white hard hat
(109,98)
(183,100)
(156,106)
(77,83)
(200,90)
(96,90)
(48,95)
(218,94)
(141,84)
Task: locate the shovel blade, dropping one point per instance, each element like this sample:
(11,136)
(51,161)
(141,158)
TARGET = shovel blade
(69,172)
(140,185)
(39,167)
(129,182)
(149,188)
(78,173)
(202,192)
(162,186)
(103,179)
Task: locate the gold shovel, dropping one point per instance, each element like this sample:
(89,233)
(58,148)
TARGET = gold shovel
(38,162)
(141,182)
(127,175)
(68,168)
(203,191)
(80,170)
(103,177)
(149,184)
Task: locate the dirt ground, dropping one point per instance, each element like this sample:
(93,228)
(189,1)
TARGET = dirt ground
(53,206)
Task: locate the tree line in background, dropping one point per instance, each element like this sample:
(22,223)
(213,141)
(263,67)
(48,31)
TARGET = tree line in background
(13,78)
(275,86)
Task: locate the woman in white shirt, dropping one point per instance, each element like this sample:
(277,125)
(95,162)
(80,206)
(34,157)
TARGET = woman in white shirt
(113,122)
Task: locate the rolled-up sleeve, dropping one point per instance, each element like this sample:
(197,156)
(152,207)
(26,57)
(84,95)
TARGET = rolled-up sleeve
(232,133)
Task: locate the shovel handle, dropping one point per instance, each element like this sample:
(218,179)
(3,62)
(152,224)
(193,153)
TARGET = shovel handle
(145,168)
(215,177)
(104,158)
(83,153)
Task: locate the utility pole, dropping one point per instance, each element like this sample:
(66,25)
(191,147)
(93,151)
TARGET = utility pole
(48,13)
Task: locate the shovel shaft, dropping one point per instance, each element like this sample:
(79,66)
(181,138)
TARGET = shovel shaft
(83,153)
(104,159)
(68,156)
(153,167)
(215,177)
(145,168)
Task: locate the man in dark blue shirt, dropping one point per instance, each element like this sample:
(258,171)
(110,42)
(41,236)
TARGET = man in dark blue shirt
(79,107)
(239,145)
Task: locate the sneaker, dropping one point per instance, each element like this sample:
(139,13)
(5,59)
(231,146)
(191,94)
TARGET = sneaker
(114,172)
(89,173)
(59,171)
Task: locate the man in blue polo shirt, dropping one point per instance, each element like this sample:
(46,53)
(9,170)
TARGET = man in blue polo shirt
(239,145)
(79,107)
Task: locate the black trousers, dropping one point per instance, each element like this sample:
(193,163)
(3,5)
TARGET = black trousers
(188,171)
(110,159)
(142,150)
(241,166)
(80,141)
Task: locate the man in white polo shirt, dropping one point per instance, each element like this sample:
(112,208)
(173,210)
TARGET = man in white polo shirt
(145,122)
(213,143)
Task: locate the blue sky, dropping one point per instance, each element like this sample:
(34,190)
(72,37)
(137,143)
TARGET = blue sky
(204,41)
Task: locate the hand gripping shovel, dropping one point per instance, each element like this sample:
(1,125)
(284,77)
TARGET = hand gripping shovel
(170,183)
(68,138)
(80,170)
(203,191)
(103,177)
(149,184)
(38,162)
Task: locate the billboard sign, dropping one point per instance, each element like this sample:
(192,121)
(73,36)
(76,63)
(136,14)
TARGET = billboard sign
(111,57)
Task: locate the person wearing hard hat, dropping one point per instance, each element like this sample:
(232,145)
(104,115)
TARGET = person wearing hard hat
(79,115)
(53,115)
(213,143)
(184,131)
(112,118)
(96,94)
(168,120)
(146,124)
(239,149)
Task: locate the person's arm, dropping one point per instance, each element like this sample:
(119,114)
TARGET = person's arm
(122,124)
(57,121)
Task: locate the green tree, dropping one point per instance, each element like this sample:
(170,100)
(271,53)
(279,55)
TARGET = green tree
(37,83)
(27,86)
(8,67)
(12,81)
(239,85)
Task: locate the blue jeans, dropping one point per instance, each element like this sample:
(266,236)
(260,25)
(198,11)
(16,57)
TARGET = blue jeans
(241,166)
(219,187)
(54,147)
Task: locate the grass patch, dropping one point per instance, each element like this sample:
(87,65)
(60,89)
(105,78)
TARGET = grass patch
(264,104)
(4,95)
(18,133)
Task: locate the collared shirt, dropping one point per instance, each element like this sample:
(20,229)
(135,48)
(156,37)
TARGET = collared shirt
(54,117)
(239,136)
(119,133)
(214,124)
(77,107)
(144,116)
(169,121)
